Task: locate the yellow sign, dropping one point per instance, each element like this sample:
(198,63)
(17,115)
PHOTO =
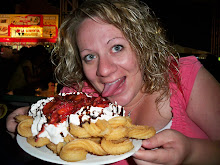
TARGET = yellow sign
(28,32)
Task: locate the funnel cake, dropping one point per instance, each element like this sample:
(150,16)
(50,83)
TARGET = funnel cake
(73,125)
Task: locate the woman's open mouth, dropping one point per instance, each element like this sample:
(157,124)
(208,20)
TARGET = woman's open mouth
(113,87)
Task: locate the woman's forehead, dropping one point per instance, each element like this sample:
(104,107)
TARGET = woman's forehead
(90,26)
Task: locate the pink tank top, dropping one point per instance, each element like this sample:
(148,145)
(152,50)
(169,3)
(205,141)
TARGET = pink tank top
(189,67)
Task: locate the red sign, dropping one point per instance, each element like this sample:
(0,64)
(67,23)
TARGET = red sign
(28,28)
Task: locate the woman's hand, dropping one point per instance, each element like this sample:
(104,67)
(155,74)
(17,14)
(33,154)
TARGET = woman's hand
(171,146)
(11,124)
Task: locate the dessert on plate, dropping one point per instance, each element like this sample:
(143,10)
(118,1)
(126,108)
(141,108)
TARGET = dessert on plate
(72,125)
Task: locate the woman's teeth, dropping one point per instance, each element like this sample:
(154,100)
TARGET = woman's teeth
(114,82)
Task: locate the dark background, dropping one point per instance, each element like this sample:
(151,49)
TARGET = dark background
(187,22)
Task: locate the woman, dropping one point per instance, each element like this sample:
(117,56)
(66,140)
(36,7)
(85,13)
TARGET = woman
(118,48)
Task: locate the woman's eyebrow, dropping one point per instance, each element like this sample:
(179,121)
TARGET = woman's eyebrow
(84,50)
(114,39)
(107,43)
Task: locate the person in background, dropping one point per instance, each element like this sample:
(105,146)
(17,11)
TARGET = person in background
(23,72)
(42,66)
(8,63)
(116,48)
(33,71)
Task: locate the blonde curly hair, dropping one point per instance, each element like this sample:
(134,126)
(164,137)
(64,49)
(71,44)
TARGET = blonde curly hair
(140,27)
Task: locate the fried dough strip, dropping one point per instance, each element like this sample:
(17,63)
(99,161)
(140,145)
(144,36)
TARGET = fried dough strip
(87,145)
(24,127)
(56,148)
(78,131)
(39,142)
(141,132)
(115,148)
(95,139)
(92,129)
(59,147)
(117,133)
(104,126)
(129,122)
(20,118)
(117,121)
(71,154)
(68,138)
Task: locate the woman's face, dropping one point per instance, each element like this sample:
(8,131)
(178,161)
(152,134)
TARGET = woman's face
(109,62)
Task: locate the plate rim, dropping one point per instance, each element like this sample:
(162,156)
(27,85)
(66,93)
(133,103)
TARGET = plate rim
(22,142)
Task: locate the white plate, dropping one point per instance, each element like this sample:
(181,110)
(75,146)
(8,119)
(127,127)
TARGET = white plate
(45,154)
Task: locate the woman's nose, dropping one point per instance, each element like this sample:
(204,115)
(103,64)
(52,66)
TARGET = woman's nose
(106,67)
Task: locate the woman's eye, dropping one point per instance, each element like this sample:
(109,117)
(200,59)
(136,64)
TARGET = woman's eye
(117,48)
(89,57)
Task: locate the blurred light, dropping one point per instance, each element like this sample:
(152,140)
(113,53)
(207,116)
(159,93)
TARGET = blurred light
(218,58)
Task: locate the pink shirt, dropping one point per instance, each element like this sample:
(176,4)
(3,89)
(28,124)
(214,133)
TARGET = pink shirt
(189,67)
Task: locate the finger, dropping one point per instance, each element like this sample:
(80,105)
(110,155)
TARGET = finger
(157,156)
(142,148)
(158,140)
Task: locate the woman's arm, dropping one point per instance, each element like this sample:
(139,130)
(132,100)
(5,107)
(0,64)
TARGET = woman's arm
(204,104)
(204,109)
(203,152)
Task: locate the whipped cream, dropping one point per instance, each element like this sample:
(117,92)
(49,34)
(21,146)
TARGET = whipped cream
(56,132)
(92,114)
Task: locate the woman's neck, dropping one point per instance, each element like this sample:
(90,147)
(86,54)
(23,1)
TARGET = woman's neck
(131,108)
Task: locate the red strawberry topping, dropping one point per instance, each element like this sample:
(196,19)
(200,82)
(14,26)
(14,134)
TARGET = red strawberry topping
(61,107)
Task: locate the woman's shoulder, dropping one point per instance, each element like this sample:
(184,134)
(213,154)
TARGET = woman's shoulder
(188,68)
(186,62)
